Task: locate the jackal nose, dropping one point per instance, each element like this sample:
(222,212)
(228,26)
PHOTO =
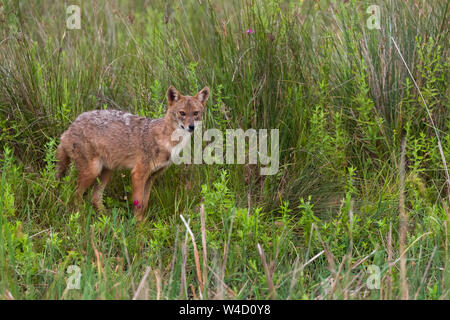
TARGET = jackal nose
(191,127)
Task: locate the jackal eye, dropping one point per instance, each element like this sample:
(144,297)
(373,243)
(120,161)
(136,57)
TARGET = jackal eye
(182,113)
(195,113)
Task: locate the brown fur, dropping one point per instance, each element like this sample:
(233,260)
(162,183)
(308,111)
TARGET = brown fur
(101,141)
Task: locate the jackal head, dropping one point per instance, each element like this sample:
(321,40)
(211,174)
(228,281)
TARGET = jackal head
(185,110)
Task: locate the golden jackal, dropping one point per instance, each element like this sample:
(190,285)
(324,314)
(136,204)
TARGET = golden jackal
(103,140)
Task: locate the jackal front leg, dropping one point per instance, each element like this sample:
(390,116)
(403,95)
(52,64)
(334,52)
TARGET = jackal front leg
(139,177)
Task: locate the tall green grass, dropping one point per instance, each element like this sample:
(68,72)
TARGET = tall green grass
(340,95)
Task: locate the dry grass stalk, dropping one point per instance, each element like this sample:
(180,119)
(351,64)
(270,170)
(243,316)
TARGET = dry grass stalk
(196,255)
(98,256)
(225,250)
(328,254)
(142,283)
(336,277)
(8,295)
(422,281)
(221,286)
(158,284)
(294,277)
(205,252)
(272,292)
(183,289)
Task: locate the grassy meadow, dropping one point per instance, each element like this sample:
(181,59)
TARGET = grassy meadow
(359,208)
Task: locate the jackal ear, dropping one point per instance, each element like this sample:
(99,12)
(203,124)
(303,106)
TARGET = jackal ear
(203,95)
(172,95)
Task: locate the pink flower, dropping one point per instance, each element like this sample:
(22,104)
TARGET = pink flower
(136,203)
(249,31)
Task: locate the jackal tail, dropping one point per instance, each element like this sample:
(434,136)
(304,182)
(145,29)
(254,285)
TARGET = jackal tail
(63,162)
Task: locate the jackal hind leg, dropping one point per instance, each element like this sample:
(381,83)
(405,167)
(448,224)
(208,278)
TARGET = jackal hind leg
(97,194)
(87,174)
